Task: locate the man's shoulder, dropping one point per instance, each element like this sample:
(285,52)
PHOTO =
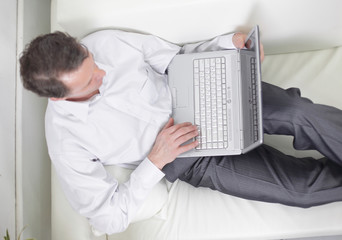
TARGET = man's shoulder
(102,35)
(64,111)
(103,40)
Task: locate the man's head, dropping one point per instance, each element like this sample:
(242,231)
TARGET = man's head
(57,66)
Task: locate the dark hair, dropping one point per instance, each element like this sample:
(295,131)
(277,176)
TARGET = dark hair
(46,58)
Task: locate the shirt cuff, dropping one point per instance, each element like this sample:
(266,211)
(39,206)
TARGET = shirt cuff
(226,41)
(148,173)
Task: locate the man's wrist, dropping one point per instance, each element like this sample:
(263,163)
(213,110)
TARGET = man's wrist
(158,164)
(149,172)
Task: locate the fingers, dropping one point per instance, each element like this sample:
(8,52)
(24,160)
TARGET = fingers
(170,128)
(239,40)
(182,129)
(187,147)
(168,124)
(262,53)
(185,134)
(181,133)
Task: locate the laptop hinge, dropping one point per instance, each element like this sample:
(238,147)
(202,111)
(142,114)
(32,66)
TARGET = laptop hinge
(240,110)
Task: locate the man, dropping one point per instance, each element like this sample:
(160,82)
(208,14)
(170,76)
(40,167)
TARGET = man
(109,103)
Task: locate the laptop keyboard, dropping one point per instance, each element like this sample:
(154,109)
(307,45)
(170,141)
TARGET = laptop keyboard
(254,101)
(210,94)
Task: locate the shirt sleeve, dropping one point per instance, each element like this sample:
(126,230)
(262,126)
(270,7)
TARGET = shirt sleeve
(157,52)
(218,43)
(96,195)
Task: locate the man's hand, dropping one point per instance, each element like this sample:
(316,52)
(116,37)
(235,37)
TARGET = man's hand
(169,142)
(239,40)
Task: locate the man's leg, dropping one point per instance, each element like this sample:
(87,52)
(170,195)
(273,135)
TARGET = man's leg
(313,126)
(266,174)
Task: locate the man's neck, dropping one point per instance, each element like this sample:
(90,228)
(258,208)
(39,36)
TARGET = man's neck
(85,98)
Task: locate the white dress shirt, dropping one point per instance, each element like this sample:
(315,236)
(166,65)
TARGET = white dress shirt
(117,126)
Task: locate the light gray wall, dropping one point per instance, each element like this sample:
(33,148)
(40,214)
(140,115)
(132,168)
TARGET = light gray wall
(36,199)
(7,115)
(24,163)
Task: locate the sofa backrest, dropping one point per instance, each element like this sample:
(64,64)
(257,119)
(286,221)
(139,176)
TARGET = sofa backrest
(286,26)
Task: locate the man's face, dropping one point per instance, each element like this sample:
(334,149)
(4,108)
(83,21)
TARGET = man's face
(85,81)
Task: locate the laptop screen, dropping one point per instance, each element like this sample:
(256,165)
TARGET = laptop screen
(252,42)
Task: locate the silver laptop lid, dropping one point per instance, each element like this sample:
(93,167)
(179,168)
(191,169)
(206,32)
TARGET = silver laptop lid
(251,75)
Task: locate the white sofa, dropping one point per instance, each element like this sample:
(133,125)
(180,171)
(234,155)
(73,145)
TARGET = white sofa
(301,40)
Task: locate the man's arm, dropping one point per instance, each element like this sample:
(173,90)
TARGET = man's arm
(217,43)
(155,51)
(229,41)
(108,205)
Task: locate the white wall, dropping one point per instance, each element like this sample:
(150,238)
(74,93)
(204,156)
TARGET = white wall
(7,115)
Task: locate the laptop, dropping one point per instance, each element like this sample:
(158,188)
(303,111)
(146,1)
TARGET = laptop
(220,92)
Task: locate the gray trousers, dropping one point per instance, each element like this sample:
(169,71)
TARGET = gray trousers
(266,174)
